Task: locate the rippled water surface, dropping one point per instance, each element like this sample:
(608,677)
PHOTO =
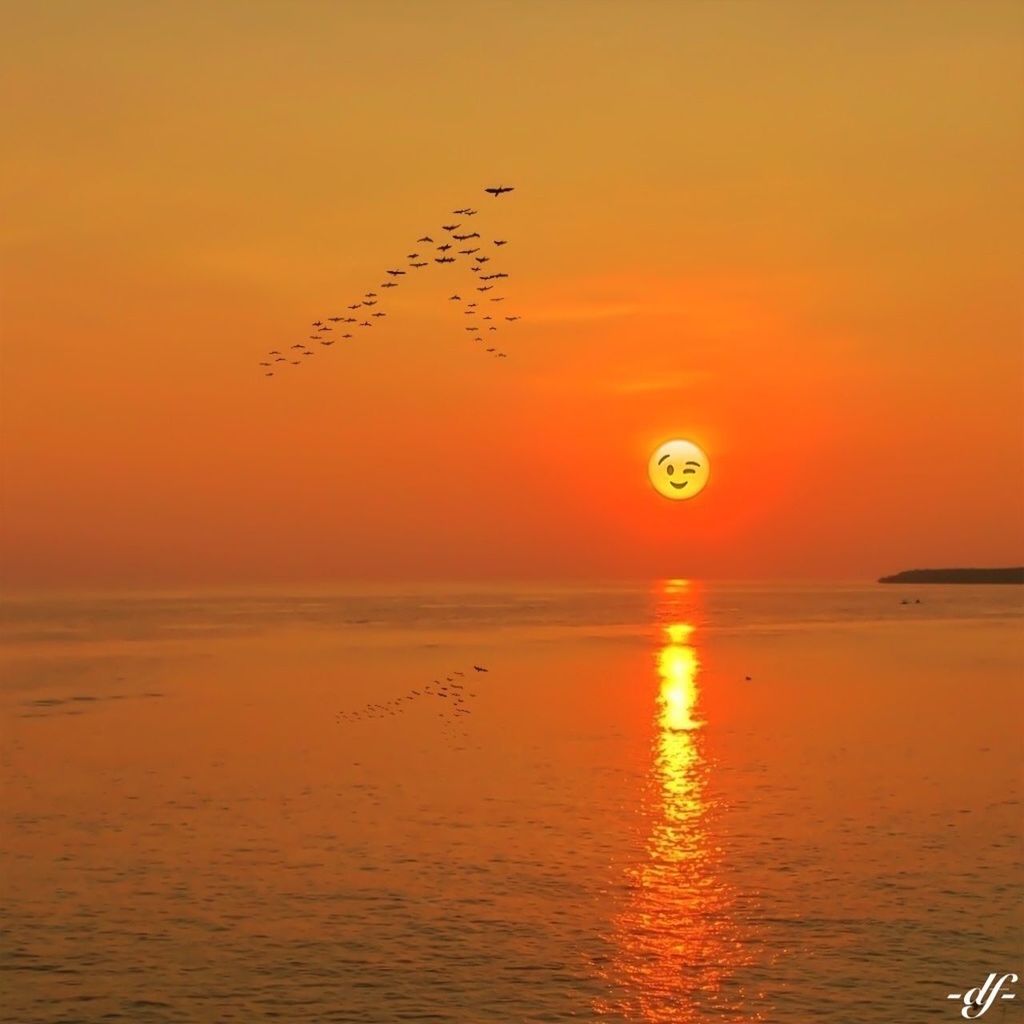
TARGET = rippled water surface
(672,802)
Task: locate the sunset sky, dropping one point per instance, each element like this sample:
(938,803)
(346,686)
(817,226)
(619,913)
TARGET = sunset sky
(788,231)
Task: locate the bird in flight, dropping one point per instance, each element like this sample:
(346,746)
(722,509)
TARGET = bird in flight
(396,273)
(366,323)
(425,238)
(454,298)
(462,238)
(391,284)
(468,252)
(499,190)
(444,259)
(485,288)
(511,318)
(449,227)
(445,247)
(501,241)
(378,313)
(418,265)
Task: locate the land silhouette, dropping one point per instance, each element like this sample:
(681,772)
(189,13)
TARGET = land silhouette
(1014,574)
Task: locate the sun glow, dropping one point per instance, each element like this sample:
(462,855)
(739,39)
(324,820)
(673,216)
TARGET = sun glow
(679,954)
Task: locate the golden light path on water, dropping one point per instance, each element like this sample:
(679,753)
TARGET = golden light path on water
(678,945)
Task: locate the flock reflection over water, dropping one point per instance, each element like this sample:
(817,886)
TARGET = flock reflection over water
(678,954)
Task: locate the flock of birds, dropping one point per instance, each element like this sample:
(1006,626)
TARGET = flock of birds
(453,692)
(459,244)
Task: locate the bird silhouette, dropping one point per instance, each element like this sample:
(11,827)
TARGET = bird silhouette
(499,190)
(501,241)
(463,238)
(396,273)
(445,247)
(449,227)
(418,265)
(454,298)
(425,238)
(485,288)
(444,259)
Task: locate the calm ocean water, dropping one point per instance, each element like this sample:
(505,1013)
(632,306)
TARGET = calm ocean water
(668,802)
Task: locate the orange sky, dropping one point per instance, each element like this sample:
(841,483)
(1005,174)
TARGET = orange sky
(789,231)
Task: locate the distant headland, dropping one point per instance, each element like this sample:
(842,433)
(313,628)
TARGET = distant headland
(1011,575)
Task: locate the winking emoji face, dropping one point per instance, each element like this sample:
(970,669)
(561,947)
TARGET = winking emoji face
(678,469)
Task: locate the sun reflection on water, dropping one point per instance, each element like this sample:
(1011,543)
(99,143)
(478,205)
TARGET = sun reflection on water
(677,944)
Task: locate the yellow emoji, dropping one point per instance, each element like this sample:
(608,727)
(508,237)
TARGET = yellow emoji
(678,469)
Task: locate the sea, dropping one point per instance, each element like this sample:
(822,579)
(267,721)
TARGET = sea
(665,801)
